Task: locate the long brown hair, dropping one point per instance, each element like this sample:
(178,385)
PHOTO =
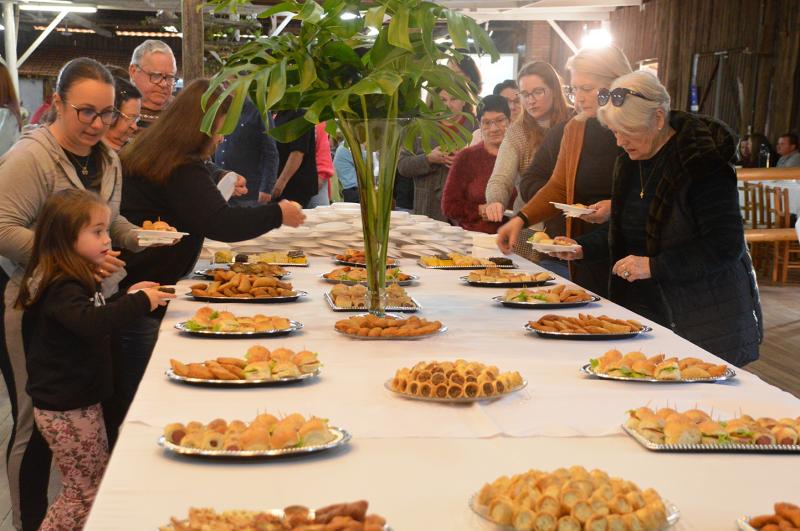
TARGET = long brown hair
(8,96)
(560,112)
(174,139)
(63,217)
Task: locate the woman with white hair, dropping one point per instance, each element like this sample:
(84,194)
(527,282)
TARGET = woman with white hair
(583,168)
(675,236)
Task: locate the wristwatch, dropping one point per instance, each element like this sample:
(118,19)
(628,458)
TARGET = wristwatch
(521,215)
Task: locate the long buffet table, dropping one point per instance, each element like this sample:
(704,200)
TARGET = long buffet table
(418,463)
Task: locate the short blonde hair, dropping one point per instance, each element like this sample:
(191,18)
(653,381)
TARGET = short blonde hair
(607,63)
(636,114)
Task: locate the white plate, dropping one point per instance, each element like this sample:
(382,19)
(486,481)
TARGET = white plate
(160,234)
(547,248)
(227,185)
(345,205)
(571,210)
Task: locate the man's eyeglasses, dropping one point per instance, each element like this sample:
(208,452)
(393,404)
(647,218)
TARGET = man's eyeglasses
(157,78)
(499,122)
(535,93)
(87,115)
(130,119)
(572,92)
(617,96)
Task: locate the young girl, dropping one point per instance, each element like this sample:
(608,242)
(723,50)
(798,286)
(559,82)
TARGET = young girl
(68,356)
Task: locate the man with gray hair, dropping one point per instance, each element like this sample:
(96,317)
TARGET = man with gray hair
(153,70)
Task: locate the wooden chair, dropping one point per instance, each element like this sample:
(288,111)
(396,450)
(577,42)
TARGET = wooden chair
(774,232)
(790,258)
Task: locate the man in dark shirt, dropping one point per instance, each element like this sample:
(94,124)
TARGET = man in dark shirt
(297,173)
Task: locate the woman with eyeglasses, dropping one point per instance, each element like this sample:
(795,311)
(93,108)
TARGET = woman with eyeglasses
(584,166)
(66,153)
(128,104)
(675,238)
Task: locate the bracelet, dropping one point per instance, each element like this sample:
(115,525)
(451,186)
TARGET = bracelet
(521,215)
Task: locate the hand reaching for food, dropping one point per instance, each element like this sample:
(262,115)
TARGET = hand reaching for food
(601,214)
(507,234)
(292,213)
(157,297)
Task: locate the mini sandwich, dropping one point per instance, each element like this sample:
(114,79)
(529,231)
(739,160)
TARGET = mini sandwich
(539,237)
(652,429)
(712,433)
(785,435)
(763,437)
(643,368)
(306,361)
(682,434)
(696,415)
(283,436)
(285,369)
(282,354)
(740,432)
(635,415)
(259,370)
(254,438)
(315,432)
(295,421)
(668,370)
(257,353)
(266,421)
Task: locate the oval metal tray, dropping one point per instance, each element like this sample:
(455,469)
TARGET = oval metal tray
(407,282)
(207,274)
(250,300)
(587,337)
(587,369)
(462,400)
(240,383)
(293,327)
(725,448)
(405,309)
(513,284)
(279,513)
(441,330)
(544,305)
(466,268)
(359,264)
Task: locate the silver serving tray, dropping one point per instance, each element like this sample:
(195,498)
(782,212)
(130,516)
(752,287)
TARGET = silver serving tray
(283,264)
(441,330)
(462,400)
(544,305)
(411,280)
(240,383)
(250,300)
(280,514)
(405,309)
(466,268)
(725,448)
(359,264)
(206,273)
(729,374)
(293,327)
(511,284)
(673,514)
(587,337)
(342,437)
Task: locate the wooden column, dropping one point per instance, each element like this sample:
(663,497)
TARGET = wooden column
(193,39)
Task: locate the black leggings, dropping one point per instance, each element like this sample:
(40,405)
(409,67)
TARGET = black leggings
(27,457)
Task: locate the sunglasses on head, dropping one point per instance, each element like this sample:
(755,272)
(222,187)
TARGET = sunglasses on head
(617,96)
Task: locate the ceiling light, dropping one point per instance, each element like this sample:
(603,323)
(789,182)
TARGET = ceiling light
(171,29)
(596,38)
(70,30)
(154,34)
(57,8)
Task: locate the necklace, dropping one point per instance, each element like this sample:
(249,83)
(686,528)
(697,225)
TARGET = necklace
(84,166)
(643,184)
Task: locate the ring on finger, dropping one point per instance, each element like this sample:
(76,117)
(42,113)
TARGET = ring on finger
(626,274)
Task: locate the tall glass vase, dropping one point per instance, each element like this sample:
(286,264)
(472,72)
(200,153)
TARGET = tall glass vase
(375,146)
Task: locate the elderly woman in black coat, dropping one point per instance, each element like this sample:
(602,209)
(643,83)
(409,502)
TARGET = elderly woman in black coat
(675,236)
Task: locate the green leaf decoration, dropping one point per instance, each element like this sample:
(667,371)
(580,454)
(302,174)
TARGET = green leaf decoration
(398,29)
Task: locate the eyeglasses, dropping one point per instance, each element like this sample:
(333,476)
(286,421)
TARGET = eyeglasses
(535,93)
(157,78)
(87,115)
(499,122)
(617,96)
(130,119)
(572,92)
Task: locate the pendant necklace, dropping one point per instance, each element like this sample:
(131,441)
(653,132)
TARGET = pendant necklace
(84,166)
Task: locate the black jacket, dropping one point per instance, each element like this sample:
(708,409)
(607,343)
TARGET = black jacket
(68,355)
(189,201)
(695,241)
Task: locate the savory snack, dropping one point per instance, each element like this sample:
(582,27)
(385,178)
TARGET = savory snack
(157,225)
(586,324)
(166,289)
(786,516)
(355,297)
(357,256)
(454,380)
(638,365)
(359,274)
(265,432)
(570,499)
(209,319)
(258,364)
(543,239)
(495,275)
(289,257)
(555,295)
(696,427)
(244,286)
(373,326)
(339,517)
(258,269)
(456,260)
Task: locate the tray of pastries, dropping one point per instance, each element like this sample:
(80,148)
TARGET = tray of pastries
(294,258)
(357,258)
(572,499)
(545,244)
(638,367)
(266,436)
(368,326)
(786,516)
(245,288)
(259,366)
(586,326)
(559,296)
(344,298)
(208,322)
(358,275)
(224,274)
(458,381)
(338,517)
(461,261)
(694,430)
(494,277)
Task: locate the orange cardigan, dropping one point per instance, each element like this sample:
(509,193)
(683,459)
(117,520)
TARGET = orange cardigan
(561,186)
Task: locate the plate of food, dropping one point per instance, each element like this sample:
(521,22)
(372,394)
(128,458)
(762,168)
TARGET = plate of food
(158,233)
(357,258)
(250,299)
(637,367)
(573,211)
(267,436)
(571,499)
(785,516)
(368,326)
(454,382)
(495,277)
(260,366)
(694,430)
(208,322)
(345,298)
(545,244)
(342,515)
(559,296)
(257,270)
(295,258)
(458,261)
(358,275)
(586,326)
(245,288)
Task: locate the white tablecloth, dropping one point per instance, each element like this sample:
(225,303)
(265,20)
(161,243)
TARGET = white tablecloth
(418,462)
